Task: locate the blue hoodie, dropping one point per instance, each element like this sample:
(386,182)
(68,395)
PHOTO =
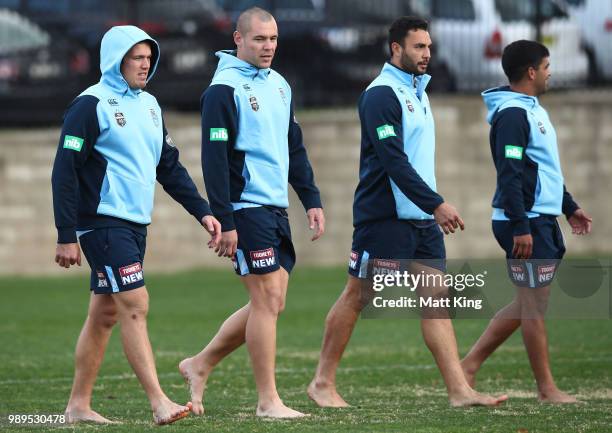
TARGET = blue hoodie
(112,149)
(251,142)
(524,148)
(397,161)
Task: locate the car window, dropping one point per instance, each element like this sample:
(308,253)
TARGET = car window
(454,9)
(16,34)
(525,10)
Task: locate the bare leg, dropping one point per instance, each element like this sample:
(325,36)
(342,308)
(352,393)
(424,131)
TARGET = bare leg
(196,369)
(439,337)
(90,348)
(500,328)
(267,293)
(133,307)
(533,304)
(339,326)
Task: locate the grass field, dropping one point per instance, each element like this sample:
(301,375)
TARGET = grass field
(387,372)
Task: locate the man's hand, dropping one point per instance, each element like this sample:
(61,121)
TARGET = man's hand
(523,246)
(316,221)
(213,227)
(68,254)
(228,244)
(580,222)
(448,218)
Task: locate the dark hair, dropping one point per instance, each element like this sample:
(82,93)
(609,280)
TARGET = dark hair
(521,55)
(401,26)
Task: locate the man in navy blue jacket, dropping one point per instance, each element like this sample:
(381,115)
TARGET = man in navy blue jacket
(112,149)
(251,149)
(530,195)
(397,212)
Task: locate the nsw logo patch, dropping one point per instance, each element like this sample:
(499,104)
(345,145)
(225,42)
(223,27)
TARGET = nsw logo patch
(73,143)
(385,131)
(263,258)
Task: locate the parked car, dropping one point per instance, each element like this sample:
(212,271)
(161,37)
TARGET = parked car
(470,36)
(595,20)
(188,31)
(40,72)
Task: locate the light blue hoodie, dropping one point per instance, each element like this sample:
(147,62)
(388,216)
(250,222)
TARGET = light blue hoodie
(131,130)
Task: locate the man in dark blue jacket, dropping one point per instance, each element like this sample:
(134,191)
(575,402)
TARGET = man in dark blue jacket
(112,149)
(397,213)
(251,149)
(530,195)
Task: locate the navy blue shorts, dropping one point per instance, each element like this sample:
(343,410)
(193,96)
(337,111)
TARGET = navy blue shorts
(116,256)
(548,250)
(264,241)
(384,243)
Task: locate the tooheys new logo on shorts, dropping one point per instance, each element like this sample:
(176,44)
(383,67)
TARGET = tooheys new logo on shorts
(73,143)
(263,258)
(218,134)
(131,273)
(514,152)
(385,131)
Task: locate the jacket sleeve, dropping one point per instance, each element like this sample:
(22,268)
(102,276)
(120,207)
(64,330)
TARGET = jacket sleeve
(78,137)
(219,132)
(382,125)
(568,206)
(511,136)
(301,176)
(176,180)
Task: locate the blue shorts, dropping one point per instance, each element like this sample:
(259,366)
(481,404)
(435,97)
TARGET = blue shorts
(116,256)
(548,250)
(264,241)
(384,243)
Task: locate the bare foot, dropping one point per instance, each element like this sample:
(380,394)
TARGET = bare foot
(169,412)
(325,396)
(557,397)
(473,398)
(74,416)
(196,377)
(278,410)
(470,373)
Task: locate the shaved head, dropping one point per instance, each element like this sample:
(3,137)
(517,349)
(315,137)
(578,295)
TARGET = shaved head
(245,19)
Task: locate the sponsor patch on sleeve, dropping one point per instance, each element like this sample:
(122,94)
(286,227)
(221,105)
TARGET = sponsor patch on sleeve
(263,258)
(513,152)
(73,143)
(385,131)
(218,134)
(131,273)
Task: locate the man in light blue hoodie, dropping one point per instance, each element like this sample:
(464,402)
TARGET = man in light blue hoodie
(251,149)
(530,195)
(112,149)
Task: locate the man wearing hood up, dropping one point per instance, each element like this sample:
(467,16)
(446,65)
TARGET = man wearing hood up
(113,147)
(530,195)
(251,148)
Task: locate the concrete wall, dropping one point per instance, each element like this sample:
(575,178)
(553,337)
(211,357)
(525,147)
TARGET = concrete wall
(464,172)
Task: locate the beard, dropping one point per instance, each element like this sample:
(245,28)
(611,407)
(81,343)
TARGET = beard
(409,66)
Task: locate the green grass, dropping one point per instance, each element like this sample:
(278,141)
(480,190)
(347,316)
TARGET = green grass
(387,373)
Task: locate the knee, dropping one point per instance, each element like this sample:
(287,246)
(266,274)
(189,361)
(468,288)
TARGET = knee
(356,295)
(104,318)
(271,299)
